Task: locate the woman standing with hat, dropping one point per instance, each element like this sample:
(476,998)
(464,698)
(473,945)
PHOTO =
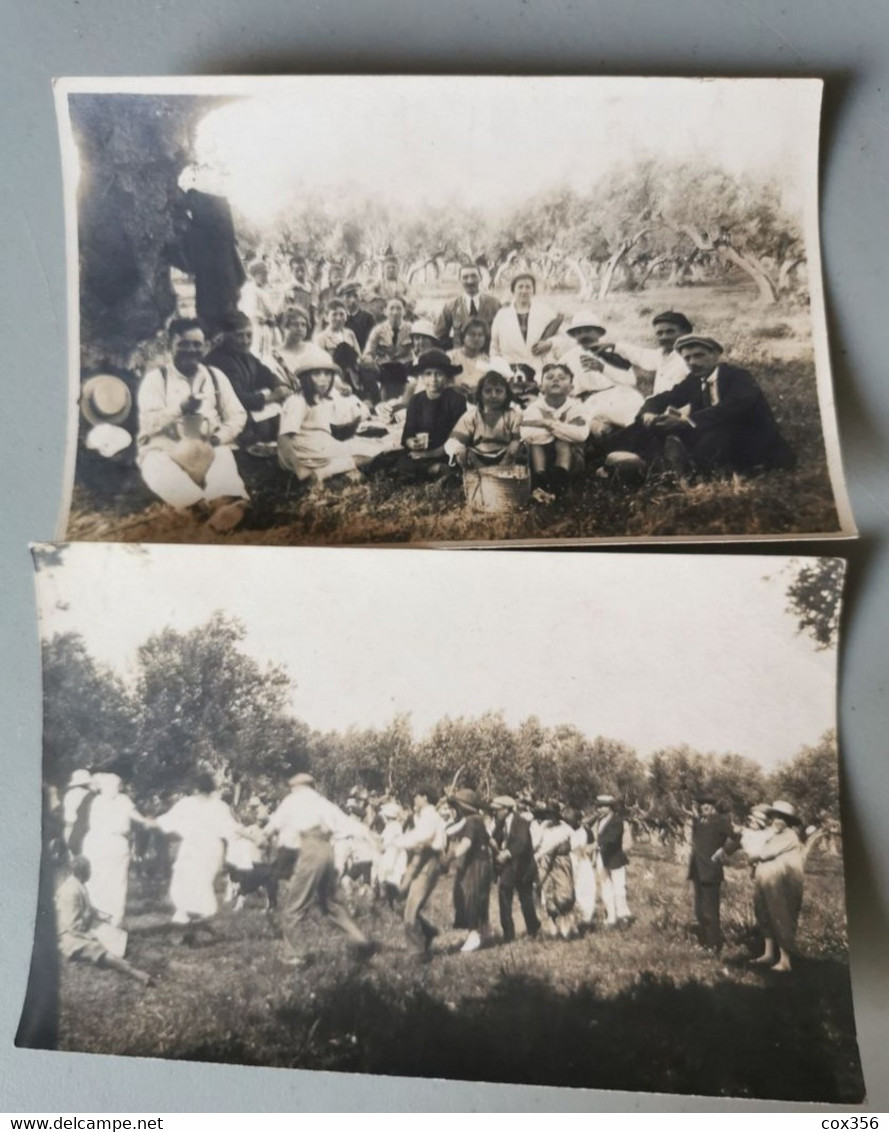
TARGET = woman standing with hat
(778,886)
(472,884)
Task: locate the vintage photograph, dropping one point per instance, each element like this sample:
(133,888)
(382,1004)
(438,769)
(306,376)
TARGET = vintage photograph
(446,310)
(584,831)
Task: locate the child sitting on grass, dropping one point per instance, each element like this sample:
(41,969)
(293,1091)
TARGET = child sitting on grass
(555,428)
(431,415)
(76,920)
(489,432)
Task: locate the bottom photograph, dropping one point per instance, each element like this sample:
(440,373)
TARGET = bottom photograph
(537,818)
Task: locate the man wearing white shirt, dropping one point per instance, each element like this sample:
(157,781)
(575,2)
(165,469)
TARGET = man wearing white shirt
(668,365)
(603,380)
(426,843)
(189,419)
(305,823)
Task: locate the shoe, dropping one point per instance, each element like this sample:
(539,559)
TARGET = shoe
(227,517)
(473,942)
(540,495)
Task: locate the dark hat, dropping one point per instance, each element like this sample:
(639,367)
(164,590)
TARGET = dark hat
(349,288)
(697,340)
(466,799)
(436,359)
(675,319)
(234,320)
(389,253)
(345,356)
(706,800)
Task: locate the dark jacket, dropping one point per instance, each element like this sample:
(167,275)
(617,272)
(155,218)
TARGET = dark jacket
(610,842)
(436,417)
(742,411)
(707,836)
(455,314)
(520,869)
(247,375)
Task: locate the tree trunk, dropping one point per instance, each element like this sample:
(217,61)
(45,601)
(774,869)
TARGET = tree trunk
(614,262)
(767,292)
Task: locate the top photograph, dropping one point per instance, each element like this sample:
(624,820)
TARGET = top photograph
(446,311)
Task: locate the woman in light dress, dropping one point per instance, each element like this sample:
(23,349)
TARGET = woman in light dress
(473,357)
(778,886)
(583,871)
(204,825)
(553,854)
(107,846)
(522,331)
(287,356)
(261,303)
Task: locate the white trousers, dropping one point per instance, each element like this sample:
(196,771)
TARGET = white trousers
(613,886)
(176,487)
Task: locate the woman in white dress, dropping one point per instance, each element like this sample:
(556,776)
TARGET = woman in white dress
(583,871)
(261,303)
(107,847)
(522,331)
(205,825)
(286,358)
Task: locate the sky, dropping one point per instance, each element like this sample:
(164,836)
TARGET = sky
(492,141)
(651,650)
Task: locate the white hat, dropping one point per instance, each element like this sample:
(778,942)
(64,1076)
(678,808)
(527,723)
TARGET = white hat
(312,357)
(108,440)
(784,810)
(425,327)
(584,320)
(80,778)
(606,800)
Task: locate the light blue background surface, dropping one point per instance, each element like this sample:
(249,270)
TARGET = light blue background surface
(846,43)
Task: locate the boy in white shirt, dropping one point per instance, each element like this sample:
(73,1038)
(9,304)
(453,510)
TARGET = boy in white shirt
(554,427)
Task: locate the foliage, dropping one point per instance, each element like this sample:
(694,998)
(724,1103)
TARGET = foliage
(815,597)
(811,781)
(89,718)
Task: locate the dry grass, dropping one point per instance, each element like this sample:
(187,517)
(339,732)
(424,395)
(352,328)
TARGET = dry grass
(776,347)
(637,1010)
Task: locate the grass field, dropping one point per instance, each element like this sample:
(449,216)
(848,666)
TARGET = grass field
(641,1010)
(110,503)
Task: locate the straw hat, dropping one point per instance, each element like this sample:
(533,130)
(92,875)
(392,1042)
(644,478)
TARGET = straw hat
(314,358)
(105,399)
(585,320)
(785,810)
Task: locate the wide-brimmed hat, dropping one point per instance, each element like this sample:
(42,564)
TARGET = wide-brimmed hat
(314,358)
(105,399)
(585,320)
(675,319)
(436,359)
(423,326)
(466,799)
(108,439)
(698,340)
(80,778)
(301,779)
(503,802)
(785,810)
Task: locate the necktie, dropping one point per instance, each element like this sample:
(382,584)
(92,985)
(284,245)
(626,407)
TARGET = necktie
(473,309)
(706,394)
(394,341)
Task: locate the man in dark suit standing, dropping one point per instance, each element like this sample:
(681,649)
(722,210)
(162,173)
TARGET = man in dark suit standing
(712,840)
(715,418)
(472,303)
(516,870)
(611,862)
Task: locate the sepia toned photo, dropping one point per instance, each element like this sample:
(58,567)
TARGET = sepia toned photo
(582,831)
(393,310)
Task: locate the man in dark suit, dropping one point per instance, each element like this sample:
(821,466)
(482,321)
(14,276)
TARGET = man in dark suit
(360,321)
(257,388)
(715,418)
(472,303)
(712,840)
(611,862)
(516,870)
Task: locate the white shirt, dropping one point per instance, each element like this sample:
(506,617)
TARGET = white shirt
(303,811)
(594,380)
(669,369)
(164,389)
(429,832)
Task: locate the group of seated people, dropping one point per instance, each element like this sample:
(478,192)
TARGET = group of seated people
(340,393)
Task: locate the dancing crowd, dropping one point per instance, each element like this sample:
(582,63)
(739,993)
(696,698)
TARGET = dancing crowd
(350,381)
(308,856)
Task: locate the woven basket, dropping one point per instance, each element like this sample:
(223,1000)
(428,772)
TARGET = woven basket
(497,489)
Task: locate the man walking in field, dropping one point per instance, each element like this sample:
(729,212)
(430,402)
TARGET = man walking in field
(426,844)
(516,870)
(712,840)
(305,822)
